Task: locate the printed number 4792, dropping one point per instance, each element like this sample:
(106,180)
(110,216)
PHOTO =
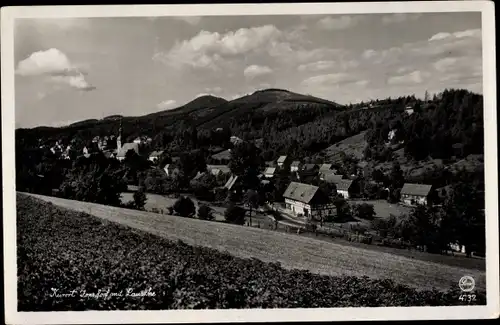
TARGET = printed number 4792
(467,298)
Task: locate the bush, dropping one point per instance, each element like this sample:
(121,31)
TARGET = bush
(220,194)
(363,211)
(184,206)
(235,214)
(311,225)
(358,228)
(205,213)
(140,199)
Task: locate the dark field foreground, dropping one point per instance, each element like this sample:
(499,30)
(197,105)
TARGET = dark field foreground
(69,261)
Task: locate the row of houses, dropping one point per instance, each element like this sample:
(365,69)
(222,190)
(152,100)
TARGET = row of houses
(305,200)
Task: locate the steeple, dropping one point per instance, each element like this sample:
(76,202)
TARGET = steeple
(119,138)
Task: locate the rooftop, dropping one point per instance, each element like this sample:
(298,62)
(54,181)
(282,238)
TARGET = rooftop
(156,153)
(332,178)
(230,183)
(281,159)
(343,184)
(126,147)
(325,167)
(222,168)
(416,189)
(270,170)
(223,155)
(300,192)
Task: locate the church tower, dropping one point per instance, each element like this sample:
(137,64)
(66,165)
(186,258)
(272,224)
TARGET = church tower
(119,138)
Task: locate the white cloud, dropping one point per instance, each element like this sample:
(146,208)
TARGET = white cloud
(41,95)
(54,64)
(207,49)
(213,90)
(76,81)
(445,64)
(439,36)
(44,62)
(476,33)
(367,54)
(255,71)
(317,66)
(415,77)
(342,22)
(167,104)
(362,83)
(399,18)
(328,79)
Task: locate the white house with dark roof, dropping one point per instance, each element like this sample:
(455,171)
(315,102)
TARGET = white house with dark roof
(413,194)
(343,187)
(307,201)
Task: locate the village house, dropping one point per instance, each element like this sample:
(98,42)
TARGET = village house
(294,167)
(170,170)
(222,157)
(269,172)
(154,156)
(413,194)
(122,152)
(235,140)
(409,110)
(282,160)
(331,178)
(304,200)
(198,176)
(218,169)
(270,163)
(457,248)
(325,168)
(344,187)
(308,170)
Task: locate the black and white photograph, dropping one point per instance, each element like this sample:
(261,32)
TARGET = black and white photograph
(294,159)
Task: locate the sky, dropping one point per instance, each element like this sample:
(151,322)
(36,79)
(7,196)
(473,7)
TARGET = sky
(73,69)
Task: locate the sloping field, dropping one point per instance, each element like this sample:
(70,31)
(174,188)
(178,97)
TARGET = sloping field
(292,251)
(350,146)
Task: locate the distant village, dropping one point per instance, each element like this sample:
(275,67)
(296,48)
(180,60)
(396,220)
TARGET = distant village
(302,200)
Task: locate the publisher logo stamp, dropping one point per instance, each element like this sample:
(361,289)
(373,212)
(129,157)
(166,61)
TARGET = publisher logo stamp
(466,283)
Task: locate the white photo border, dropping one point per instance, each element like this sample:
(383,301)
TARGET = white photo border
(12,316)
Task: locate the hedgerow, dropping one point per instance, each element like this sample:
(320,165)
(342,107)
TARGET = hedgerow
(65,251)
